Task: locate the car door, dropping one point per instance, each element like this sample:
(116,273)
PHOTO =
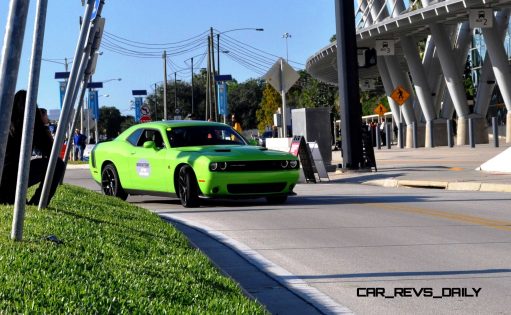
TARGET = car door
(149,166)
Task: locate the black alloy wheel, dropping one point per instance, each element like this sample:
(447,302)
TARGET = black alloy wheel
(110,183)
(187,187)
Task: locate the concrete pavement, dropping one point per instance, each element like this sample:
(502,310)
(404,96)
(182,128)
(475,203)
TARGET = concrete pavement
(440,168)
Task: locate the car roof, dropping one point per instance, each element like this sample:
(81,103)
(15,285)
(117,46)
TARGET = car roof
(180,123)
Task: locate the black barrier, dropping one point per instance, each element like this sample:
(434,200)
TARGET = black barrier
(300,149)
(368,160)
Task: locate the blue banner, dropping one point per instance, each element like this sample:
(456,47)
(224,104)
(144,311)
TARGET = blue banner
(138,105)
(94,104)
(222,98)
(62,88)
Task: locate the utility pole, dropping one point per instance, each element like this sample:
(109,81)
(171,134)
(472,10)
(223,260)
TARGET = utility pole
(164,85)
(208,88)
(213,83)
(155,103)
(175,93)
(192,87)
(218,52)
(347,77)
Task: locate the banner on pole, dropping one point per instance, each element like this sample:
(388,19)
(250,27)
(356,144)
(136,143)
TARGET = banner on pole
(94,104)
(222,98)
(62,89)
(138,107)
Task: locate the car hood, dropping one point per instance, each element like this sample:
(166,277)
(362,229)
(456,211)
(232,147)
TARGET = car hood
(248,152)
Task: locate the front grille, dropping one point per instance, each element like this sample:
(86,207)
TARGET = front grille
(255,188)
(253,166)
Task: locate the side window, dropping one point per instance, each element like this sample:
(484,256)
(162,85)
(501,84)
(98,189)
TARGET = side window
(133,138)
(151,135)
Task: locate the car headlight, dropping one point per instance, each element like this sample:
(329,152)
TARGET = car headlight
(284,164)
(217,166)
(293,164)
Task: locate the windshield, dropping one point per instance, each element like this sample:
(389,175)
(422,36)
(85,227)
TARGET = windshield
(203,135)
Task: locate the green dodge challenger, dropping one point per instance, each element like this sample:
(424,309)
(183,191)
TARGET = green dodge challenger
(191,160)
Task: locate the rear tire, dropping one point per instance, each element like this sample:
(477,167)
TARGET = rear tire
(111,184)
(187,188)
(276,200)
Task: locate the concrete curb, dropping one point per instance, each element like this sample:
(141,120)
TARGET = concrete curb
(459,186)
(78,166)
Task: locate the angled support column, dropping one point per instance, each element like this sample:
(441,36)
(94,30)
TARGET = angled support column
(420,82)
(452,79)
(388,87)
(431,65)
(501,69)
(399,77)
(461,49)
(366,17)
(487,78)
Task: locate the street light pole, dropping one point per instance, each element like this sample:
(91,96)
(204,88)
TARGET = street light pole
(286,36)
(236,29)
(164,85)
(218,46)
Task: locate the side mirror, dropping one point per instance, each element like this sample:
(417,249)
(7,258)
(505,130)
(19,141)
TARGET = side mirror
(149,145)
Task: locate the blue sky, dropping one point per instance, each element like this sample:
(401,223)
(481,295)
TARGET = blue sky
(310,23)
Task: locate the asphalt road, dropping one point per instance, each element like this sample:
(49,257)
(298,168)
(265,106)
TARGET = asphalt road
(370,249)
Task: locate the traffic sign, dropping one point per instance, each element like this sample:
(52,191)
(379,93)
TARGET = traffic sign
(144,111)
(95,85)
(61,75)
(281,70)
(138,92)
(400,95)
(223,77)
(145,118)
(384,47)
(482,18)
(380,110)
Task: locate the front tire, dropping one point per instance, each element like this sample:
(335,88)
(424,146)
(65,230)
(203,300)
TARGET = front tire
(110,183)
(187,188)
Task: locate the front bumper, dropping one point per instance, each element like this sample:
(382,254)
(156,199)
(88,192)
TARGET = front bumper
(247,184)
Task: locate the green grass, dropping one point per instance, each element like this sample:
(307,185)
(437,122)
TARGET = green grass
(115,258)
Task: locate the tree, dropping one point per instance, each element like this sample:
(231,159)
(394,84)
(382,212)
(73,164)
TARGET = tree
(270,103)
(370,99)
(110,120)
(184,98)
(127,121)
(244,99)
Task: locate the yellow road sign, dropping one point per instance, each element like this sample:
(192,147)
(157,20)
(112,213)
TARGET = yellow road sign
(380,110)
(400,95)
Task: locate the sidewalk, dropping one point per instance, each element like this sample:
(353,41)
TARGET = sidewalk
(441,168)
